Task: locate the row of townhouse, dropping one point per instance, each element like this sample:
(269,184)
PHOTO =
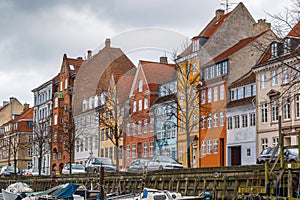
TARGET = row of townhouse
(16,134)
(218,104)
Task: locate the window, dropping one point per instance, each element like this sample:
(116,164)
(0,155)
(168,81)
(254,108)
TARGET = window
(215,119)
(194,65)
(263,81)
(232,95)
(133,150)
(140,105)
(180,154)
(203,96)
(229,123)
(140,89)
(29,152)
(146,103)
(145,125)
(221,92)
(60,86)
(181,126)
(128,151)
(236,121)
(151,124)
(56,102)
(274,77)
(286,108)
(287,46)
(297,106)
(66,83)
(203,147)
(275,141)
(134,106)
(275,110)
(145,149)
(215,93)
(111,152)
(55,119)
(209,95)
(133,128)
(285,75)
(216,146)
(209,146)
(203,122)
(264,143)
(297,73)
(195,122)
(244,121)
(209,121)
(151,149)
(252,119)
(264,112)
(139,126)
(274,51)
(248,152)
(221,118)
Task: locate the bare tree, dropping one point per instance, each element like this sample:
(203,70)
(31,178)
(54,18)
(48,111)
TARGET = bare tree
(113,114)
(42,141)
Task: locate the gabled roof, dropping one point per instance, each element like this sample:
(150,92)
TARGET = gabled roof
(247,78)
(295,32)
(213,25)
(154,73)
(238,46)
(25,115)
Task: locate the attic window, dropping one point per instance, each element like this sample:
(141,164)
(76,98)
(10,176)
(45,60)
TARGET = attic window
(274,50)
(287,46)
(72,67)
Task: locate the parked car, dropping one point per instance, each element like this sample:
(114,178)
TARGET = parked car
(93,165)
(163,162)
(76,168)
(8,171)
(30,172)
(290,155)
(138,165)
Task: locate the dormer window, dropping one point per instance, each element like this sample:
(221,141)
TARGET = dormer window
(287,46)
(195,44)
(274,50)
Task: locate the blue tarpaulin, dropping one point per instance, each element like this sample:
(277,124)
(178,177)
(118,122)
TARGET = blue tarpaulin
(61,191)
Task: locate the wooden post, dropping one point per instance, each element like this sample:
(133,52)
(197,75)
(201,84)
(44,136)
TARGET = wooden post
(290,183)
(101,183)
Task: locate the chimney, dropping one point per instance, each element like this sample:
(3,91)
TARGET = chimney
(261,26)
(25,107)
(5,103)
(89,54)
(163,60)
(107,42)
(12,109)
(219,13)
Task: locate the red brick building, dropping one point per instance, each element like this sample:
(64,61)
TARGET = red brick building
(62,122)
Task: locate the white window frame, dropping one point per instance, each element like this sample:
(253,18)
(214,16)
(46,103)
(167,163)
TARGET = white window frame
(263,81)
(216,93)
(274,77)
(145,103)
(209,95)
(221,118)
(222,92)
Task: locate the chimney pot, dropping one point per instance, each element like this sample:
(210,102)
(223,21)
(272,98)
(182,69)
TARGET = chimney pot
(261,26)
(89,54)
(163,60)
(219,13)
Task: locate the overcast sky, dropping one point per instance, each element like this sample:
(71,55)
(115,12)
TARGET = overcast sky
(35,34)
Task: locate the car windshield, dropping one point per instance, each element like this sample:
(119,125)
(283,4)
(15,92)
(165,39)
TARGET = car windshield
(166,159)
(294,151)
(103,161)
(11,169)
(74,166)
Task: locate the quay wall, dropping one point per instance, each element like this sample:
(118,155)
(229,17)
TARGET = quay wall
(221,182)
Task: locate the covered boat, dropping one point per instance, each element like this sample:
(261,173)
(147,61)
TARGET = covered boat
(64,191)
(16,190)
